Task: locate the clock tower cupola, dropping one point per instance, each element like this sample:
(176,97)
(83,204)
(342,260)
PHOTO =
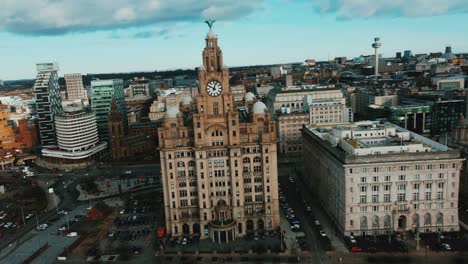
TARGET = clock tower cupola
(213,75)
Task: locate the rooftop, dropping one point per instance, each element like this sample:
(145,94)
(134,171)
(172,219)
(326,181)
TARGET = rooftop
(368,138)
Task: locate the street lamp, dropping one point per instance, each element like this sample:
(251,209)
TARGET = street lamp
(51,191)
(37,221)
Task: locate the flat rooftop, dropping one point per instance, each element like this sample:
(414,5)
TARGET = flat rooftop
(367,138)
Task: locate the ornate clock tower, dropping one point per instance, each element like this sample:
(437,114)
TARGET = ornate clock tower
(218,165)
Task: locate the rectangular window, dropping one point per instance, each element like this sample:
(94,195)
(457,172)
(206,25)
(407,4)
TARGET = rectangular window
(401,177)
(401,197)
(387,187)
(440,196)
(363,179)
(416,186)
(401,187)
(363,188)
(375,198)
(387,178)
(415,196)
(386,197)
(363,199)
(429,185)
(416,177)
(428,196)
(375,188)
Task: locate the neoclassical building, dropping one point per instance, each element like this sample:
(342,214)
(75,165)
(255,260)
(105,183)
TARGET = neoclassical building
(218,162)
(377,178)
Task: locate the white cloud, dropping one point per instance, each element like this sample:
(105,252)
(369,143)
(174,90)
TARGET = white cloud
(349,9)
(55,17)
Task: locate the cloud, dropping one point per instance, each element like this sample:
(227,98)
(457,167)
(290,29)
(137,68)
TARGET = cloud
(57,17)
(350,9)
(152,33)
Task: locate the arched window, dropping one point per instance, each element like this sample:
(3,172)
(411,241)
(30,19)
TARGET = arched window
(387,221)
(440,219)
(246,160)
(191,163)
(215,108)
(257,159)
(180,164)
(427,219)
(375,222)
(363,223)
(415,220)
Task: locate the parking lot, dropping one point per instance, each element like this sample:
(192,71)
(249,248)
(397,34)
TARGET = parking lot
(132,229)
(21,200)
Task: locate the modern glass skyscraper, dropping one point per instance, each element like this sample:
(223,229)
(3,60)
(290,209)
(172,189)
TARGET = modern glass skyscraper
(48,101)
(103,91)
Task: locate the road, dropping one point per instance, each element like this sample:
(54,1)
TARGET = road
(295,201)
(68,193)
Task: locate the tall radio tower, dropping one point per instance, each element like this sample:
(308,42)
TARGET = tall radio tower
(376,45)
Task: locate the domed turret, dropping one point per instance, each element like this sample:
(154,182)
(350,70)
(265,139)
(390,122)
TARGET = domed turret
(186,100)
(249,97)
(172,112)
(211,35)
(259,108)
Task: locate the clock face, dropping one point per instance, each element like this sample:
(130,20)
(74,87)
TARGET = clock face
(214,88)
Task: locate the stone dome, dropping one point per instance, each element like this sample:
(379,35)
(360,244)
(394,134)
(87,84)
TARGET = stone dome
(172,112)
(211,35)
(259,108)
(186,100)
(249,97)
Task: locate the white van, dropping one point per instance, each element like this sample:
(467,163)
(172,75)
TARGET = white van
(72,234)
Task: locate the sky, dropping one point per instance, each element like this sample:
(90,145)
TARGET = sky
(101,36)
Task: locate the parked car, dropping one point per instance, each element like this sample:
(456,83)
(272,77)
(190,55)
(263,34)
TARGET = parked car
(7,225)
(309,209)
(322,233)
(62,212)
(72,234)
(42,227)
(446,247)
(356,249)
(316,222)
(352,240)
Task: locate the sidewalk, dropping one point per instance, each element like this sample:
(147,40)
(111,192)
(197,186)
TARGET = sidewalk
(289,237)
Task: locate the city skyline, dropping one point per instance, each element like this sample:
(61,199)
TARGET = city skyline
(145,35)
